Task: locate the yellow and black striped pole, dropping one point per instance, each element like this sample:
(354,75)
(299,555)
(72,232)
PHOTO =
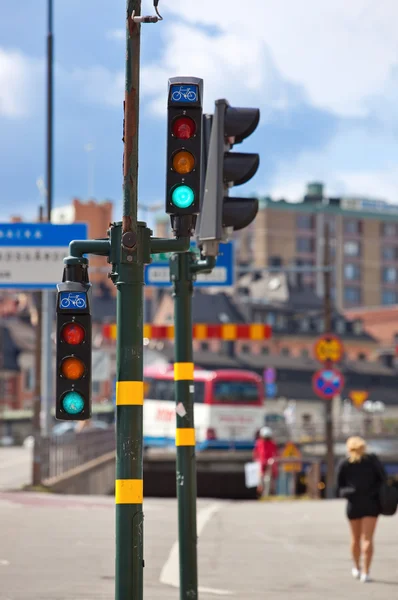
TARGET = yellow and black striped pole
(182,269)
(129,280)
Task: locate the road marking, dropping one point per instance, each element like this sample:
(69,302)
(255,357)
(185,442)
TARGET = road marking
(170,573)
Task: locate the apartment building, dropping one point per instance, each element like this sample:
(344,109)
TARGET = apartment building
(364,244)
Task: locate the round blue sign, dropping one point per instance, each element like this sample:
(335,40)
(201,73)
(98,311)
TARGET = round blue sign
(327,383)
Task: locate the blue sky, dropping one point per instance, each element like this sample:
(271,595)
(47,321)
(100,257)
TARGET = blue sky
(324,75)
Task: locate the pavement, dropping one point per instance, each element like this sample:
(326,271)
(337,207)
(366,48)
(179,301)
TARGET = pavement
(62,548)
(15,467)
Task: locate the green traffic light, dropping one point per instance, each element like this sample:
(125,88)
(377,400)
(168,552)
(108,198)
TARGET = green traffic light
(73,403)
(182,196)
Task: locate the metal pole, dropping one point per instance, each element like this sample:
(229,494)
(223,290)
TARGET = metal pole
(180,269)
(131,244)
(36,425)
(47,296)
(329,403)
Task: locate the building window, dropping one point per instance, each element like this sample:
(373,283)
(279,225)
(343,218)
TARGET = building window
(281,322)
(305,324)
(29,380)
(270,319)
(357,327)
(340,326)
(352,226)
(352,248)
(304,353)
(361,356)
(389,252)
(265,350)
(389,229)
(389,274)
(305,222)
(96,387)
(305,245)
(352,295)
(204,346)
(352,272)
(389,297)
(285,351)
(245,349)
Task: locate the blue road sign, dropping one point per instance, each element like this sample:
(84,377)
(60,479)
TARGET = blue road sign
(73,300)
(327,383)
(157,274)
(31,254)
(271,390)
(184,93)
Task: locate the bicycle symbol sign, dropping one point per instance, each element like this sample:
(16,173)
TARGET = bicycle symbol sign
(73,300)
(184,93)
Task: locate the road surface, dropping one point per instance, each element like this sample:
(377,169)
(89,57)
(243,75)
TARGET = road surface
(62,548)
(15,467)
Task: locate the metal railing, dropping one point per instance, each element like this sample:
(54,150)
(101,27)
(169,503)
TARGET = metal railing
(314,431)
(62,453)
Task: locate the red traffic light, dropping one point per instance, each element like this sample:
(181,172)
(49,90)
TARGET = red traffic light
(183,128)
(73,334)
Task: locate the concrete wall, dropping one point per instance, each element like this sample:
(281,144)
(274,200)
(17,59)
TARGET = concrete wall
(96,477)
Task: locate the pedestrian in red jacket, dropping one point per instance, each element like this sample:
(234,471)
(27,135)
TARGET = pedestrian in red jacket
(265,450)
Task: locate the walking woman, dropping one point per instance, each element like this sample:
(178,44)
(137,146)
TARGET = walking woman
(359,479)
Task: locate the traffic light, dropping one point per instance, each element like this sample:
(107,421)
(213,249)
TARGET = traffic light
(224,169)
(73,366)
(184,153)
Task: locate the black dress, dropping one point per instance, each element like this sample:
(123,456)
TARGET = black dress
(360,482)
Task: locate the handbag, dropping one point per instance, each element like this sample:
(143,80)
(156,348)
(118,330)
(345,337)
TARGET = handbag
(388,494)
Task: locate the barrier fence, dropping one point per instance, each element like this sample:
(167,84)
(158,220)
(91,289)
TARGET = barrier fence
(62,453)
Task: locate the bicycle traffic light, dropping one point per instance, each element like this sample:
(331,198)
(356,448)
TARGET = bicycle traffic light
(73,367)
(224,169)
(184,153)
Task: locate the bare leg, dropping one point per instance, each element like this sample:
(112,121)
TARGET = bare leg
(355,526)
(368,529)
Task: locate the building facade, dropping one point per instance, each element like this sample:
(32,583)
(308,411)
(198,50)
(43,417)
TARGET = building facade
(363,248)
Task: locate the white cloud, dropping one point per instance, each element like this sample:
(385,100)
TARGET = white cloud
(355,162)
(19,76)
(240,76)
(339,51)
(117,35)
(97,85)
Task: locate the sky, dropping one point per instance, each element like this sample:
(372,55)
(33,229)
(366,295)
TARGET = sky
(324,75)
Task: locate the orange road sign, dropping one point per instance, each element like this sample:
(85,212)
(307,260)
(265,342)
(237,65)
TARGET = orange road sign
(291,451)
(329,348)
(358,397)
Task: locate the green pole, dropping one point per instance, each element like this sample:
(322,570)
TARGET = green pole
(130,243)
(182,271)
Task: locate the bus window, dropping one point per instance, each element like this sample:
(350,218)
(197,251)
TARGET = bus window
(199,394)
(236,392)
(164,389)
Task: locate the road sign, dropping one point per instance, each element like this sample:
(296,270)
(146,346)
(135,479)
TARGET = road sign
(157,274)
(269,375)
(328,347)
(271,390)
(358,397)
(31,254)
(327,383)
(291,451)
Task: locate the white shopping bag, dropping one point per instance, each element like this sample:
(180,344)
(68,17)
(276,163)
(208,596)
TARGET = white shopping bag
(252,474)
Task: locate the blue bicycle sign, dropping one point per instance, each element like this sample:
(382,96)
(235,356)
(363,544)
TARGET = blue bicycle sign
(72,300)
(184,93)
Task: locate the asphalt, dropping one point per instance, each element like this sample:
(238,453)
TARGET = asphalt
(62,548)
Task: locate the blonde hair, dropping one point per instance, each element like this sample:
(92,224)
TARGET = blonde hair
(356,447)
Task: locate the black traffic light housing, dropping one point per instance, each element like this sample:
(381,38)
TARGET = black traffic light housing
(184,153)
(74,346)
(224,169)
